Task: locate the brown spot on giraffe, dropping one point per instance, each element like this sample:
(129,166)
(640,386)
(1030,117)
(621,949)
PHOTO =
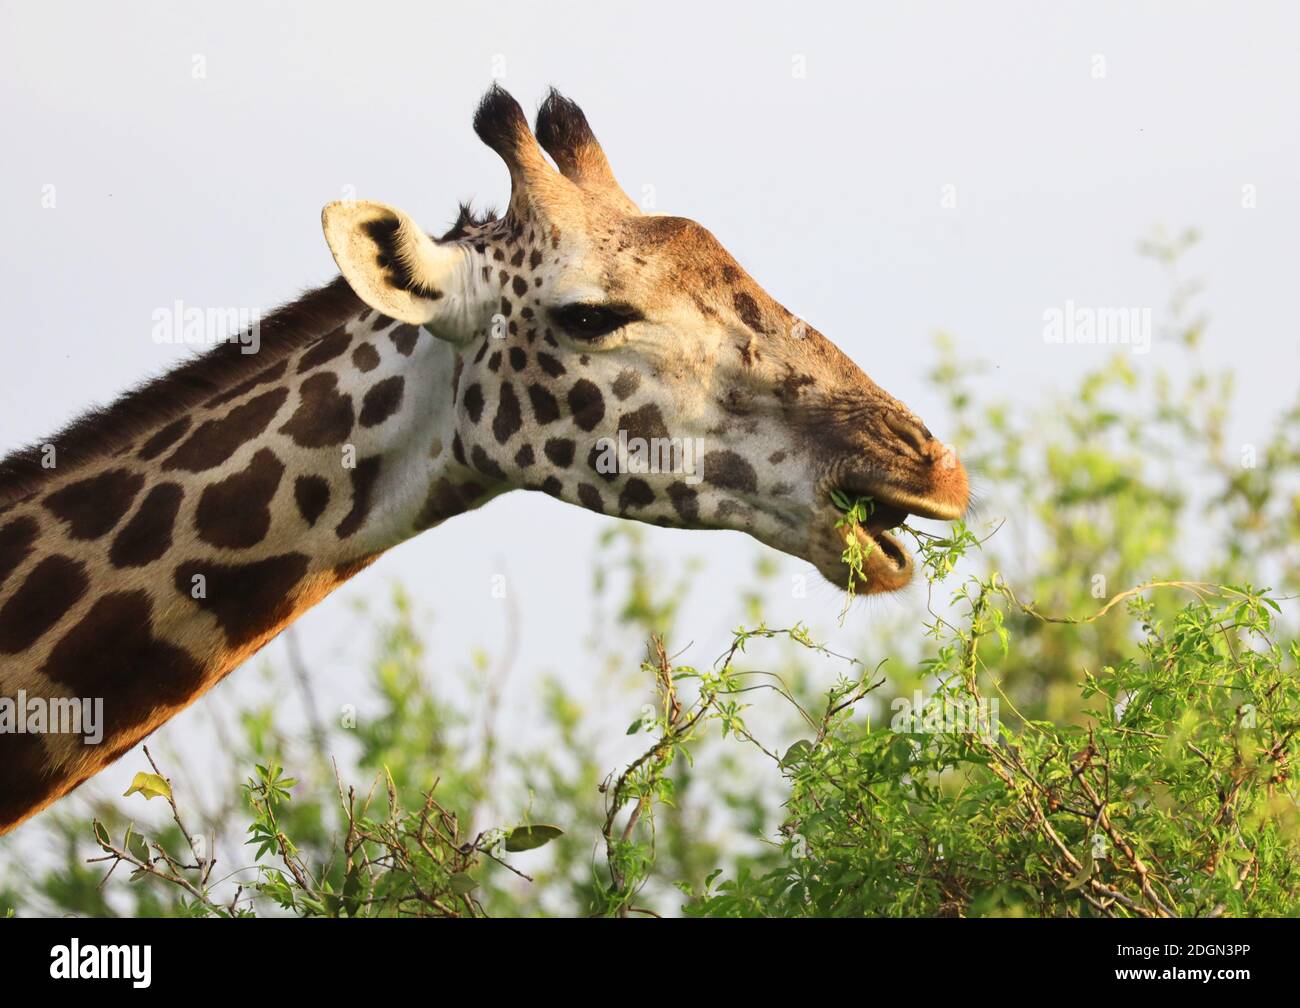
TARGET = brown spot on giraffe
(148,535)
(312,495)
(559,451)
(324,415)
(508,418)
(112,653)
(545,407)
(550,365)
(49,591)
(28,777)
(214,441)
(730,471)
(646,422)
(404,337)
(248,600)
(587,404)
(365,357)
(92,506)
(473,402)
(363,477)
(274,373)
(235,513)
(636,493)
(16,539)
(164,439)
(382,400)
(627,382)
(685,501)
(485,464)
(325,350)
(590,498)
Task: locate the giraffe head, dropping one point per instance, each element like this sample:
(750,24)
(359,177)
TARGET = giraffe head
(626,363)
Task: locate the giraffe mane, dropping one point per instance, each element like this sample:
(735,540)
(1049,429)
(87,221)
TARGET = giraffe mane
(140,411)
(468,219)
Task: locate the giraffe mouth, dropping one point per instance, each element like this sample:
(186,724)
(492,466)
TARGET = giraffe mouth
(886,564)
(889,545)
(876,530)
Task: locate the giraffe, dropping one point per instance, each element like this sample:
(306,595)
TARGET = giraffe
(186,524)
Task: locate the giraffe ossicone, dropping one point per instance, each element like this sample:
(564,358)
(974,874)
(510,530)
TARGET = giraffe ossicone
(618,361)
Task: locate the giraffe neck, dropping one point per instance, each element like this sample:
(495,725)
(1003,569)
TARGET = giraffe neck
(181,529)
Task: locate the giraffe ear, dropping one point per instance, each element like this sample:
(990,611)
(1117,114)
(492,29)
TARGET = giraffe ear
(391,264)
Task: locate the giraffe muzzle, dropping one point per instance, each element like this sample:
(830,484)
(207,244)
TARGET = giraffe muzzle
(936,487)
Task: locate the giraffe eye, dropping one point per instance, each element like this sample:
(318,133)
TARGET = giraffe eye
(591,321)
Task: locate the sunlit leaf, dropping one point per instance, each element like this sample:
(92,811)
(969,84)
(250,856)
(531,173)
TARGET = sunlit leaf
(150,785)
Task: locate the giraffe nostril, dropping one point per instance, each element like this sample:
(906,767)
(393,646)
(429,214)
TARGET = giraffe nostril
(911,432)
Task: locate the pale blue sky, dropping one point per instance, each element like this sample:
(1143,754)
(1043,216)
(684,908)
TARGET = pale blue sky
(827,187)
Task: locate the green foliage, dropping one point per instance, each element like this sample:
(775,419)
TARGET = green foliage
(855,511)
(1173,798)
(1121,745)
